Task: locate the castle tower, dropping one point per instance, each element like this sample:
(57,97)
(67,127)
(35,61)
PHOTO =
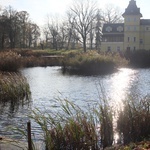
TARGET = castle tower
(132,17)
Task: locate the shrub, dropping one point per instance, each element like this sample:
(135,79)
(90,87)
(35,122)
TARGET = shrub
(140,58)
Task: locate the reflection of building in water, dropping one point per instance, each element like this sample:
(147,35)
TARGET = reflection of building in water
(133,34)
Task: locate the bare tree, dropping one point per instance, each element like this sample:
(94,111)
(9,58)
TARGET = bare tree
(98,31)
(111,14)
(46,35)
(83,13)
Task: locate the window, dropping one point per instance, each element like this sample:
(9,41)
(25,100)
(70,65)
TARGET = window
(108,48)
(128,19)
(141,41)
(134,48)
(134,19)
(134,28)
(118,48)
(134,39)
(120,28)
(128,28)
(128,48)
(147,28)
(108,29)
(128,39)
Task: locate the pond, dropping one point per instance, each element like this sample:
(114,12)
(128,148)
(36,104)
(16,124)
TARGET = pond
(48,83)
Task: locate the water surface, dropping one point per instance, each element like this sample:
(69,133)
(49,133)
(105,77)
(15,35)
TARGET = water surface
(48,83)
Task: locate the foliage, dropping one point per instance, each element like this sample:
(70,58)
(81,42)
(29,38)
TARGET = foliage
(9,61)
(13,87)
(17,30)
(134,120)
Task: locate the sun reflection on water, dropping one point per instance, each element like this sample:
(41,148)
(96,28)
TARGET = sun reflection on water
(121,83)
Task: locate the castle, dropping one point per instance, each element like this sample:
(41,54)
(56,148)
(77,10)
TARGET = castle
(133,34)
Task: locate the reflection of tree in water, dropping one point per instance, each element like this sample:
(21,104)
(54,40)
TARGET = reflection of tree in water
(12,107)
(13,114)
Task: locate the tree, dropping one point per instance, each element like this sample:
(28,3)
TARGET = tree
(72,35)
(33,32)
(111,14)
(98,31)
(16,30)
(83,13)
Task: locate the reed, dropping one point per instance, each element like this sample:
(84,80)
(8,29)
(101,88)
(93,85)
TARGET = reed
(134,119)
(9,61)
(93,63)
(73,127)
(13,87)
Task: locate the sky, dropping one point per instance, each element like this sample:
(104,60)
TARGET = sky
(40,9)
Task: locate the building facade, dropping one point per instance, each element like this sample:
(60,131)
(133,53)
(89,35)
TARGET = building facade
(133,34)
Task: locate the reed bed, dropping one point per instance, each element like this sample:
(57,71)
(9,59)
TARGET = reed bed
(9,61)
(93,63)
(68,126)
(134,120)
(13,87)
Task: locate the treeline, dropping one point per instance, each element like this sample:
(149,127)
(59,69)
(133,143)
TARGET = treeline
(81,27)
(17,30)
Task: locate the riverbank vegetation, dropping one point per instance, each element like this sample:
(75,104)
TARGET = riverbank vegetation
(134,121)
(140,58)
(13,87)
(93,63)
(70,126)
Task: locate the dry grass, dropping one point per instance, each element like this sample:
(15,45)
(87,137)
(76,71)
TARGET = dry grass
(13,87)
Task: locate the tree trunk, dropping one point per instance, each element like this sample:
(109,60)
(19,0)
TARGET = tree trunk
(84,45)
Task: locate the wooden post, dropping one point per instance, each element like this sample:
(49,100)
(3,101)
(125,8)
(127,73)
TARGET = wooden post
(29,135)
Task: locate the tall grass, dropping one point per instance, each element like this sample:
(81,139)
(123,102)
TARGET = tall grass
(134,120)
(13,87)
(68,126)
(9,61)
(72,127)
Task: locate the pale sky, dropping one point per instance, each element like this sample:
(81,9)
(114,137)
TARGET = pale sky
(40,9)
